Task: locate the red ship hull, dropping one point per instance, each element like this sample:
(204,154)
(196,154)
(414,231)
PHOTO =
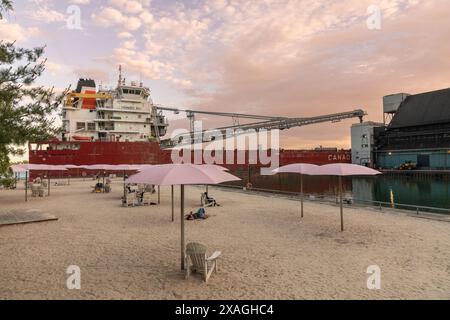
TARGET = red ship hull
(97,152)
(86,153)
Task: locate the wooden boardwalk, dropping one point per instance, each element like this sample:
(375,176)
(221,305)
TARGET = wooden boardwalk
(13,216)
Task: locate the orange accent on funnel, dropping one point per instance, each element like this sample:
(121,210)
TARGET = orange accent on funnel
(89,103)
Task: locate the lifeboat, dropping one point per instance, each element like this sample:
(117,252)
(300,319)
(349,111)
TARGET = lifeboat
(81,138)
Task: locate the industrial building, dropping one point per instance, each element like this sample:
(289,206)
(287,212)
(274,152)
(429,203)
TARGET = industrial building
(418,132)
(362,135)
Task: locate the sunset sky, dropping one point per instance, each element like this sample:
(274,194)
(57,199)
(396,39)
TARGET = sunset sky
(272,57)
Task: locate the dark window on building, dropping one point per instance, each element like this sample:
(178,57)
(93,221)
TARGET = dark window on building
(81,126)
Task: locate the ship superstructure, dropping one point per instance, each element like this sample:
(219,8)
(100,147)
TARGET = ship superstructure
(125,114)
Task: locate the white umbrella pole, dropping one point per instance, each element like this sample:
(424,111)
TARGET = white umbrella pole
(124,188)
(48,176)
(26,186)
(159,195)
(340,203)
(173,218)
(182,226)
(301,192)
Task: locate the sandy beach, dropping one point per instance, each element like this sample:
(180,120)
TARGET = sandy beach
(268,252)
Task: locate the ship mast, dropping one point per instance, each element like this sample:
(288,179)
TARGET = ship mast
(119,82)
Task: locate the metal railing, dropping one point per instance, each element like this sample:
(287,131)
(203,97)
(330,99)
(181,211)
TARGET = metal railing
(349,201)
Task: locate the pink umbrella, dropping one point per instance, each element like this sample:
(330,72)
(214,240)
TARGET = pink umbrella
(140,167)
(340,170)
(33,166)
(128,167)
(19,168)
(103,167)
(216,167)
(72,166)
(343,169)
(301,168)
(181,174)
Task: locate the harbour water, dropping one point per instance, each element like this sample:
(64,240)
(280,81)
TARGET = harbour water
(393,191)
(410,190)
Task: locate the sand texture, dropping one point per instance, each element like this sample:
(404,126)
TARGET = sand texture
(268,252)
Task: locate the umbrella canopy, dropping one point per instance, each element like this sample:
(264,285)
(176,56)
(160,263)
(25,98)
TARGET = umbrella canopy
(33,166)
(72,166)
(98,167)
(18,168)
(301,168)
(55,167)
(140,167)
(343,169)
(216,167)
(128,167)
(181,174)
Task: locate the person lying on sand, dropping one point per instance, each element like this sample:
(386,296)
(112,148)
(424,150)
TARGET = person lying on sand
(200,213)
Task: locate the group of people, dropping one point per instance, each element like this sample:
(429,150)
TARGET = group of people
(140,191)
(200,213)
(102,187)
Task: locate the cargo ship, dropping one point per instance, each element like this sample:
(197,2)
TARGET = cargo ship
(124,126)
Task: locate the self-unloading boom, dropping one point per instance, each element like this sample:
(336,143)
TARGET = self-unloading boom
(269,123)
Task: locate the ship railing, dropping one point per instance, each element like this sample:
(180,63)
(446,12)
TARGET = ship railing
(348,201)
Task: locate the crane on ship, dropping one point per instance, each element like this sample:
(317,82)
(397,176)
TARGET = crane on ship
(262,123)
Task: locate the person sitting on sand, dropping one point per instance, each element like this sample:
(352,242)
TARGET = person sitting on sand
(129,190)
(200,213)
(209,201)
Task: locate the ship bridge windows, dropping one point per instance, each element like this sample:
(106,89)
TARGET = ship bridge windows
(136,92)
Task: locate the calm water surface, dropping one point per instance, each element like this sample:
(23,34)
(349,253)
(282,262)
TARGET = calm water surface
(420,191)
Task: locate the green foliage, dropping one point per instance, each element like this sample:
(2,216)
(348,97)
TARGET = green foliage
(8,183)
(26,111)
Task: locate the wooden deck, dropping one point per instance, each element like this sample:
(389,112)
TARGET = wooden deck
(12,217)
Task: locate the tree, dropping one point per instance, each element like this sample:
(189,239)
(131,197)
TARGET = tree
(26,111)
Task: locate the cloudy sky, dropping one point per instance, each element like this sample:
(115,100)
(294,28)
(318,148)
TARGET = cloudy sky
(272,57)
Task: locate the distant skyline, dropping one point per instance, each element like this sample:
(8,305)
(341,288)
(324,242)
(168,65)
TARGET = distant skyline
(270,57)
